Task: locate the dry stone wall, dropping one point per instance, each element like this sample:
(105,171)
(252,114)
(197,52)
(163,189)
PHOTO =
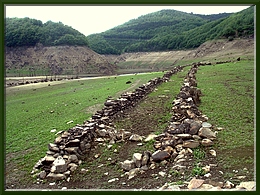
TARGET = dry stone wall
(72,146)
(187,129)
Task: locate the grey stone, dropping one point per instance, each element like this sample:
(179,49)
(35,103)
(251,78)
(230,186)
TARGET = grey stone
(133,172)
(49,158)
(194,127)
(102,132)
(206,133)
(195,183)
(213,152)
(249,185)
(191,143)
(135,137)
(73,143)
(207,125)
(150,137)
(207,142)
(71,150)
(229,185)
(146,158)
(184,136)
(73,158)
(160,155)
(42,174)
(58,140)
(127,165)
(137,158)
(55,176)
(59,165)
(53,147)
(72,166)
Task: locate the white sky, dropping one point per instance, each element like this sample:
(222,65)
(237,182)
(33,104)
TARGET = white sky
(89,19)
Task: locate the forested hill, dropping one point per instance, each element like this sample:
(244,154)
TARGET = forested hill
(170,29)
(29,32)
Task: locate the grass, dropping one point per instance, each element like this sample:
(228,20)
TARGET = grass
(32,113)
(228,101)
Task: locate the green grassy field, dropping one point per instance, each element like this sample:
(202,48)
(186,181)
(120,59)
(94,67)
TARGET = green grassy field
(228,101)
(31,113)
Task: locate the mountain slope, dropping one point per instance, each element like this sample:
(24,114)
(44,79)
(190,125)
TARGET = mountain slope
(171,30)
(29,32)
(55,60)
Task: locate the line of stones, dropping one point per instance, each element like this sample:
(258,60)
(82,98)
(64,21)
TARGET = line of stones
(72,146)
(187,129)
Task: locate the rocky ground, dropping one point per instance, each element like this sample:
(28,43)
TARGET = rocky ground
(134,157)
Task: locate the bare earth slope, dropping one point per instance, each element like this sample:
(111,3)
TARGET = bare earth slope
(208,51)
(72,59)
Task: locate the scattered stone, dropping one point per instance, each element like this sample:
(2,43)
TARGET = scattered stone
(206,133)
(213,152)
(109,146)
(191,143)
(106,173)
(127,165)
(52,184)
(100,140)
(207,125)
(42,175)
(73,158)
(97,155)
(206,169)
(64,188)
(207,175)
(152,166)
(184,136)
(137,158)
(73,166)
(112,180)
(229,185)
(53,130)
(249,185)
(161,173)
(139,144)
(58,140)
(84,170)
(220,128)
(195,183)
(146,158)
(160,155)
(53,147)
(102,133)
(49,159)
(59,165)
(133,172)
(207,142)
(136,137)
(70,122)
(55,176)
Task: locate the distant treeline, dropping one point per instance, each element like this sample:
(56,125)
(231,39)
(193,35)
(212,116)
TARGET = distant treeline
(172,30)
(29,32)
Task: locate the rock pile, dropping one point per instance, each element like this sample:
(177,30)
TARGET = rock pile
(187,129)
(71,147)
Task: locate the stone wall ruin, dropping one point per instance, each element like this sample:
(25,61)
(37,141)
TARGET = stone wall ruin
(72,146)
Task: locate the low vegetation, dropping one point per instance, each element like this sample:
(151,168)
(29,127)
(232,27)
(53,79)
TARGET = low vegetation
(31,113)
(228,101)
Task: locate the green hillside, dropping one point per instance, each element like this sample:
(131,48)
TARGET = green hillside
(29,32)
(170,29)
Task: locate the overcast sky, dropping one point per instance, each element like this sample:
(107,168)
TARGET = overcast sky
(89,19)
